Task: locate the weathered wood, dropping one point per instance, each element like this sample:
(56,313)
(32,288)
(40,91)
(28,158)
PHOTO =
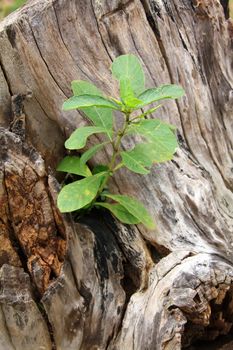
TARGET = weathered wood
(186,301)
(98,284)
(21,322)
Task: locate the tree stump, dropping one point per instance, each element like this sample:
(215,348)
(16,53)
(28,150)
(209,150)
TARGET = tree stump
(96,283)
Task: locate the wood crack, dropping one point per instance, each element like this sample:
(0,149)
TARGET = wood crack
(63,41)
(6,77)
(99,31)
(47,66)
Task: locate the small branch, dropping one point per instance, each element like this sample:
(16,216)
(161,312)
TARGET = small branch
(146,113)
(120,165)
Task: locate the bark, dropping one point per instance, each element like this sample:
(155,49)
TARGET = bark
(98,284)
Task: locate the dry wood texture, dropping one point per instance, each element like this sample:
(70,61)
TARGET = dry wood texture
(98,284)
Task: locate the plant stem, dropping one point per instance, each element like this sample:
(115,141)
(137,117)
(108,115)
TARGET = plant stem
(118,166)
(116,148)
(145,113)
(117,144)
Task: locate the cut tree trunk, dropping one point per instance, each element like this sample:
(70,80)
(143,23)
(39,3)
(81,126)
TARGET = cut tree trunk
(96,283)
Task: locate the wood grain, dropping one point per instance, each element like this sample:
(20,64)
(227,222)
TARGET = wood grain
(98,284)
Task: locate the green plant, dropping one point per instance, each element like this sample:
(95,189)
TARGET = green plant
(158,145)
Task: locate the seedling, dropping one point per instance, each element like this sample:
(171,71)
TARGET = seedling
(159,141)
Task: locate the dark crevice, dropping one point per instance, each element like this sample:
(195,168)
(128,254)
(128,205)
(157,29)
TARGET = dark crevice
(217,344)
(11,34)
(155,8)
(217,332)
(130,289)
(131,281)
(152,19)
(157,252)
(130,272)
(184,45)
(193,6)
(107,244)
(48,324)
(106,248)
(226,9)
(128,284)
(182,142)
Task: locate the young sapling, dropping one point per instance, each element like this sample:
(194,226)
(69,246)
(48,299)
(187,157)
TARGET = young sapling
(159,141)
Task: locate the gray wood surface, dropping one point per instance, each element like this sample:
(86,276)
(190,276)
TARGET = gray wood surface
(98,284)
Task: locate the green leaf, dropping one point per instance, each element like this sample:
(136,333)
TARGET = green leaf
(160,93)
(82,87)
(72,165)
(99,169)
(159,134)
(91,152)
(119,212)
(99,116)
(138,158)
(79,137)
(134,162)
(129,67)
(79,193)
(85,101)
(135,208)
(127,94)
